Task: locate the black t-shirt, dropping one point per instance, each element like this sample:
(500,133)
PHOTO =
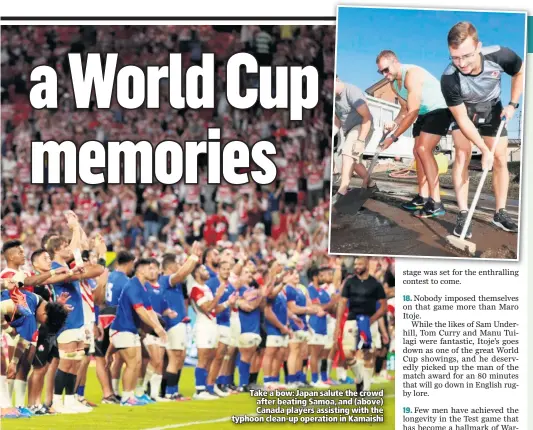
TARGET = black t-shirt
(458,88)
(362,296)
(44,291)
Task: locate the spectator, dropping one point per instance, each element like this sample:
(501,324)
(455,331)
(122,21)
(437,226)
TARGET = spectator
(128,215)
(151,216)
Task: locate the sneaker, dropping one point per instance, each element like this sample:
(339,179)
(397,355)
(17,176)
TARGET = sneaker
(229,390)
(132,401)
(145,398)
(244,389)
(204,395)
(459,224)
(331,382)
(233,387)
(359,387)
(111,400)
(293,386)
(503,220)
(38,410)
(49,409)
(63,409)
(415,204)
(348,380)
(178,397)
(10,413)
(219,392)
(25,412)
(319,384)
(431,209)
(86,402)
(162,399)
(76,405)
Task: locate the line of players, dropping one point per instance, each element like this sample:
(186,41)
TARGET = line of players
(262,321)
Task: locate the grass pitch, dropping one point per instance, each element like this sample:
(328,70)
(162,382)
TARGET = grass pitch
(212,415)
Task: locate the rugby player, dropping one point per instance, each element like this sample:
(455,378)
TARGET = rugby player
(46,349)
(134,308)
(155,345)
(471,86)
(299,304)
(115,284)
(24,322)
(321,298)
(172,283)
(353,115)
(14,255)
(278,331)
(423,107)
(331,282)
(206,306)
(90,289)
(250,299)
(215,384)
(70,338)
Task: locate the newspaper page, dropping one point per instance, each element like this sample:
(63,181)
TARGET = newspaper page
(206,209)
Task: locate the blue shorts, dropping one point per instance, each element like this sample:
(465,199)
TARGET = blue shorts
(364,335)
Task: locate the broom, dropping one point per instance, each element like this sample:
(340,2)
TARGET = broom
(460,242)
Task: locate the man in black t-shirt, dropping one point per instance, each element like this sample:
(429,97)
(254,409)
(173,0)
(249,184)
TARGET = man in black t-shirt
(366,301)
(471,86)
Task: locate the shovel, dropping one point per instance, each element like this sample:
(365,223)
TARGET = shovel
(355,198)
(460,242)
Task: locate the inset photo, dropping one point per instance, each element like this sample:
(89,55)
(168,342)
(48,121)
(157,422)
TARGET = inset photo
(428,133)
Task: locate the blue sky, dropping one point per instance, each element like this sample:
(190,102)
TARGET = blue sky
(418,37)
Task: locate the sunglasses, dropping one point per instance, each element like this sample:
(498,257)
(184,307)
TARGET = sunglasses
(383,71)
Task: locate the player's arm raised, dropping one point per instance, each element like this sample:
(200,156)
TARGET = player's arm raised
(187,268)
(44,277)
(99,291)
(94,270)
(74,226)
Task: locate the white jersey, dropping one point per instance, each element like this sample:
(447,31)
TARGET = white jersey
(200,294)
(86,288)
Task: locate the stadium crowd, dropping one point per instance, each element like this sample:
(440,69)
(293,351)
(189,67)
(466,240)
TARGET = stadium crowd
(240,256)
(137,217)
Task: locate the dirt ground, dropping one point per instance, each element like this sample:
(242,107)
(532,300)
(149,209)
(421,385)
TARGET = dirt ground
(383,228)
